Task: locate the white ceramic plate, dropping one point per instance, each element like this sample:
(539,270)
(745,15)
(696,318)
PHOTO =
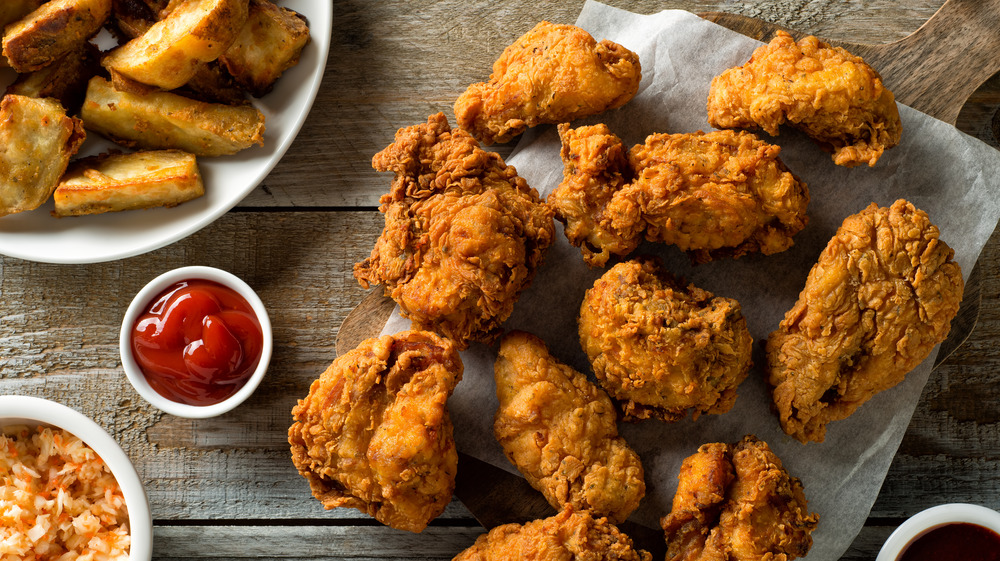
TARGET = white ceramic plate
(37,236)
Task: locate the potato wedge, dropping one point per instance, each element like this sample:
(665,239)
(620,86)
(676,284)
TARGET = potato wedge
(269,43)
(168,53)
(116,182)
(65,79)
(52,31)
(37,140)
(165,120)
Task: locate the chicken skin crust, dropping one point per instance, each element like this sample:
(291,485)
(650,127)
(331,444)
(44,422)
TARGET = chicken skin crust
(737,503)
(374,432)
(568,536)
(463,233)
(660,349)
(714,195)
(833,96)
(882,295)
(560,431)
(552,74)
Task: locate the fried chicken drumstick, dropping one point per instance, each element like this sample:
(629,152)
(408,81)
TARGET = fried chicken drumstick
(374,432)
(463,233)
(882,295)
(833,96)
(560,431)
(737,503)
(551,74)
(661,349)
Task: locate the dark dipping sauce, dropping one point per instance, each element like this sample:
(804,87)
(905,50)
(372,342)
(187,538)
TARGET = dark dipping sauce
(955,542)
(198,342)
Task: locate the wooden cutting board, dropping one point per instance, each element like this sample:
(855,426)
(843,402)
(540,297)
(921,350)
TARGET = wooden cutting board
(935,70)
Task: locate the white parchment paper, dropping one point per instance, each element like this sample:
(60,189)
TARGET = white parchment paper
(952,176)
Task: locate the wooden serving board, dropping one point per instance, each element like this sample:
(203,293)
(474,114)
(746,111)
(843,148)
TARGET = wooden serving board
(935,70)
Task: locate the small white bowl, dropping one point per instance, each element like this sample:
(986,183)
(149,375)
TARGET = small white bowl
(935,517)
(33,411)
(138,307)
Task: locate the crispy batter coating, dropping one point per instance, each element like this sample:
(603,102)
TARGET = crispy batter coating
(374,432)
(661,349)
(463,233)
(882,295)
(737,503)
(828,93)
(551,74)
(568,536)
(560,431)
(714,194)
(595,168)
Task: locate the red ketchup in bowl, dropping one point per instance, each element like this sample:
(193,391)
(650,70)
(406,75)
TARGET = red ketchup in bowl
(957,541)
(198,342)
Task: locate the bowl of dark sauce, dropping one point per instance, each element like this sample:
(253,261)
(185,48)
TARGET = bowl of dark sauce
(949,532)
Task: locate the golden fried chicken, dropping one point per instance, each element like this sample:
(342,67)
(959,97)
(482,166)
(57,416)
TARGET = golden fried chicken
(374,432)
(463,233)
(595,168)
(721,193)
(882,295)
(568,536)
(661,349)
(552,74)
(560,431)
(737,503)
(828,93)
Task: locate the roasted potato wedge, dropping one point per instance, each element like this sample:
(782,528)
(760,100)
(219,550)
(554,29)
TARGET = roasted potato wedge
(169,52)
(161,120)
(115,182)
(37,140)
(269,43)
(53,30)
(65,79)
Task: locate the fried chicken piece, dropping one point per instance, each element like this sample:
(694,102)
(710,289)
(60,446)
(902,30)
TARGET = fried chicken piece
(828,93)
(595,168)
(463,233)
(552,74)
(660,349)
(882,295)
(737,503)
(560,431)
(714,194)
(374,432)
(568,536)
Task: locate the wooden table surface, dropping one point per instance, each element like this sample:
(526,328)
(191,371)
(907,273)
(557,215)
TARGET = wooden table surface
(225,488)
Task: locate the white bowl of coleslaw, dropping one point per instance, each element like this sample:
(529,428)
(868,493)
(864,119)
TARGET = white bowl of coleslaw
(46,446)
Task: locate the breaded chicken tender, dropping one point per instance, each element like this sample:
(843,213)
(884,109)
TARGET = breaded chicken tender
(374,432)
(560,431)
(568,536)
(595,168)
(463,233)
(737,503)
(882,295)
(551,74)
(661,349)
(828,93)
(714,194)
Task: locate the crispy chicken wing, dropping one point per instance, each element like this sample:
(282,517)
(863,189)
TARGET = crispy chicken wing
(882,295)
(374,432)
(737,503)
(716,194)
(661,349)
(828,93)
(568,536)
(463,233)
(560,431)
(552,74)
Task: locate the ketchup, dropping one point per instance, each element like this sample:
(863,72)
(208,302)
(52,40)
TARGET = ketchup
(198,342)
(955,542)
